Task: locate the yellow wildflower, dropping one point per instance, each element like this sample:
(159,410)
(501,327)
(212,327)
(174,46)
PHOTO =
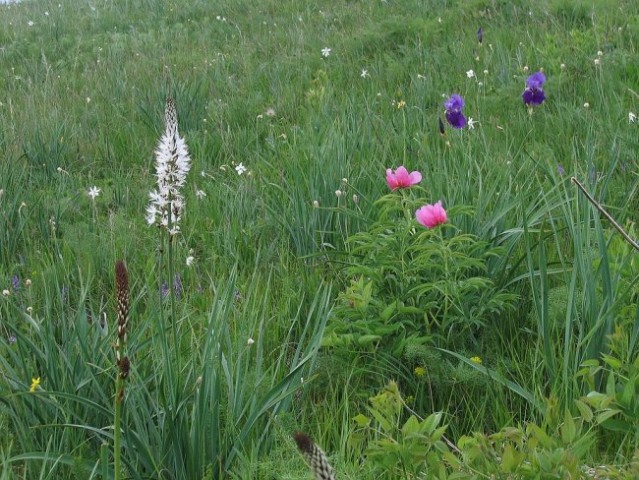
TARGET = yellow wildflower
(420,371)
(476,360)
(401,104)
(35,383)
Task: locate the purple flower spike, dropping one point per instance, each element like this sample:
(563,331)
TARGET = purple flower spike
(454,115)
(534,93)
(480,35)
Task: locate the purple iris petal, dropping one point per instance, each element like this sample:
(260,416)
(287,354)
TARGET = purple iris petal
(536,80)
(533,96)
(455,102)
(456,119)
(480,35)
(15,282)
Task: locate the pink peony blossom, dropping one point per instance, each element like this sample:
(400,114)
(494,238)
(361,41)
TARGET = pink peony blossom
(401,178)
(431,215)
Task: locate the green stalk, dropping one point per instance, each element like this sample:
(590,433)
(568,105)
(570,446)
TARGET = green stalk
(117,434)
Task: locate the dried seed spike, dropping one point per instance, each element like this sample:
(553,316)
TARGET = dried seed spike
(122,289)
(315,457)
(122,293)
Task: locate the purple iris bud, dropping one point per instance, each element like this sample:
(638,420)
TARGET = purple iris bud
(480,35)
(15,282)
(164,290)
(534,93)
(454,115)
(561,170)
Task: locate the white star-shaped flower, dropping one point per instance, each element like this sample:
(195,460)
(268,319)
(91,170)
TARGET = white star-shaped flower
(326,52)
(94,192)
(240,169)
(471,123)
(632,118)
(470,73)
(364,73)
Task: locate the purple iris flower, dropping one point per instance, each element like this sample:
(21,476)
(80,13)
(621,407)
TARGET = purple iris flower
(15,282)
(480,35)
(454,115)
(534,93)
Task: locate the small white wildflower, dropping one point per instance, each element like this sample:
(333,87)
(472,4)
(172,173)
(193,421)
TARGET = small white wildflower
(355,198)
(189,260)
(597,61)
(345,180)
(30,23)
(270,112)
(586,105)
(88,99)
(562,66)
(46,14)
(315,204)
(200,194)
(485,72)
(29,310)
(250,341)
(470,73)
(525,68)
(240,169)
(364,73)
(27,282)
(326,52)
(472,123)
(599,53)
(632,118)
(338,193)
(6,292)
(94,192)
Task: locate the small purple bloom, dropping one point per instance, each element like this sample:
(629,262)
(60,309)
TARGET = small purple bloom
(560,169)
(480,35)
(164,290)
(534,93)
(454,115)
(12,339)
(15,282)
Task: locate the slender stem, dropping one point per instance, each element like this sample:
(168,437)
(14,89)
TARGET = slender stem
(117,433)
(598,206)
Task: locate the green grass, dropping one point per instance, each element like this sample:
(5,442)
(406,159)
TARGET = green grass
(81,104)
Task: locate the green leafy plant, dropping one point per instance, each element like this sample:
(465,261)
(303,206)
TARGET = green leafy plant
(413,285)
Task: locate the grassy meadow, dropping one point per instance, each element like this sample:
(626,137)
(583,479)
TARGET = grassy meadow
(301,293)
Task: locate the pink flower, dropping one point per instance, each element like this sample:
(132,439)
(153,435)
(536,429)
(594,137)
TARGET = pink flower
(431,215)
(401,178)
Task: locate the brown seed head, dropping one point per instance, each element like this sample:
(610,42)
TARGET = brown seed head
(315,457)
